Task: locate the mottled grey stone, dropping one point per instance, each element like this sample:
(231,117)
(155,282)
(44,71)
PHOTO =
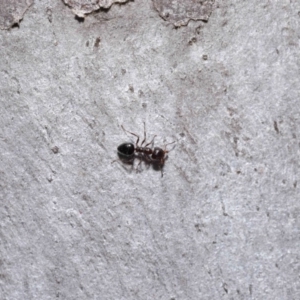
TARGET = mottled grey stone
(223,222)
(83,7)
(181,12)
(12,11)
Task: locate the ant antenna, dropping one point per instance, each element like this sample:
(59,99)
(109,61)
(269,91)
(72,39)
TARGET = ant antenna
(138,138)
(165,146)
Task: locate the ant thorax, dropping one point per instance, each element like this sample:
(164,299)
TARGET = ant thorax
(144,150)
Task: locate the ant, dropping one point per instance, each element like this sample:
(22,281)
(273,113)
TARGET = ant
(156,156)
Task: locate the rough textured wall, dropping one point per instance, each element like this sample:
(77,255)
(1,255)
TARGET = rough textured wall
(223,222)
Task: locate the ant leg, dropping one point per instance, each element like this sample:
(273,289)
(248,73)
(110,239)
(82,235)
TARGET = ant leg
(144,135)
(150,142)
(130,161)
(138,138)
(137,167)
(161,169)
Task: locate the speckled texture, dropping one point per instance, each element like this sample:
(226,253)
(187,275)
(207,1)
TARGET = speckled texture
(12,11)
(180,13)
(81,8)
(223,222)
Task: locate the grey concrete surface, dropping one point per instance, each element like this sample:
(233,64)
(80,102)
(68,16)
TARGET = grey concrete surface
(81,8)
(223,222)
(12,11)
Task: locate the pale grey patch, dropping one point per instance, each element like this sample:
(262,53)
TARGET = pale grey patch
(81,8)
(181,12)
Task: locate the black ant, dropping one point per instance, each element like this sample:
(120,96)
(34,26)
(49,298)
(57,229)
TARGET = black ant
(156,156)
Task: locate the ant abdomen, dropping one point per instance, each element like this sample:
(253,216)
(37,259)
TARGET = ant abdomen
(126,151)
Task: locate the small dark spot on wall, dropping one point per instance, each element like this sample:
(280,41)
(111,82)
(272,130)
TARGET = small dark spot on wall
(192,41)
(250,289)
(16,25)
(284,181)
(198,227)
(257,208)
(97,42)
(131,89)
(235,146)
(182,134)
(255,170)
(224,23)
(58,280)
(55,149)
(87,43)
(276,127)
(144,105)
(198,29)
(231,111)
(79,19)
(205,57)
(123,71)
(225,287)
(49,14)
(238,172)
(295,184)
(141,93)
(50,180)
